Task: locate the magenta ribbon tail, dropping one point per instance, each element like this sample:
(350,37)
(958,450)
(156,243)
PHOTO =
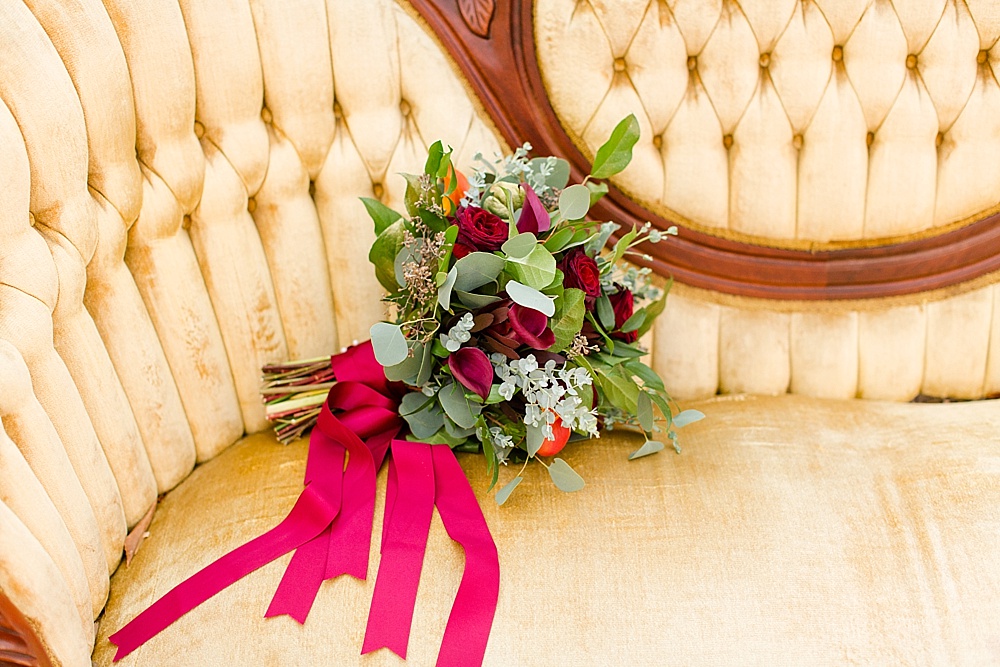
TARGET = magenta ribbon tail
(404,538)
(409,505)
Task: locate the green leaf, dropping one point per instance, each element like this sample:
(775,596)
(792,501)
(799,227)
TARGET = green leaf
(388,343)
(650,447)
(456,431)
(558,239)
(520,246)
(382,215)
(408,368)
(616,152)
(434,154)
(533,439)
(688,417)
(494,396)
(634,322)
(597,191)
(422,414)
(621,247)
(564,477)
(457,406)
(383,255)
(628,350)
(508,488)
(568,320)
(605,313)
(536,270)
(476,269)
(648,376)
(530,298)
(474,301)
(412,194)
(574,202)
(444,291)
(426,365)
(558,177)
(664,407)
(620,390)
(596,243)
(644,412)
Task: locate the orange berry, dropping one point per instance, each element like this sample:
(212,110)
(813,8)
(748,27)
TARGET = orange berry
(560,435)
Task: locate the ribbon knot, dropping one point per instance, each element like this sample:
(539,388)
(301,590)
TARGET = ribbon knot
(330,526)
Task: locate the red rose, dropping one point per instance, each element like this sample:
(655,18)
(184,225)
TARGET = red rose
(580,271)
(623,304)
(480,230)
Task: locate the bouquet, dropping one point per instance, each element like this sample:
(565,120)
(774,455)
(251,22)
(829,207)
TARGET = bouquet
(514,328)
(513,331)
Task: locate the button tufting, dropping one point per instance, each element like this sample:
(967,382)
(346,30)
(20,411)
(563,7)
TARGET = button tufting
(838,53)
(765,59)
(251,204)
(199,129)
(870,138)
(939,139)
(692,63)
(658,140)
(186,222)
(727,141)
(797,142)
(312,188)
(619,64)
(404,107)
(338,112)
(982,57)
(911,61)
(378,190)
(265,115)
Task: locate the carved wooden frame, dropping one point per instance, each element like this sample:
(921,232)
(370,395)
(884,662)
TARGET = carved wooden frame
(493,44)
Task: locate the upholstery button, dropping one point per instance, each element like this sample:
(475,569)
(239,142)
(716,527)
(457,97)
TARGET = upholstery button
(765,59)
(797,142)
(404,108)
(265,115)
(692,63)
(727,141)
(939,139)
(619,64)
(838,53)
(199,129)
(870,138)
(338,112)
(186,222)
(982,57)
(658,140)
(312,188)
(251,204)
(911,61)
(378,190)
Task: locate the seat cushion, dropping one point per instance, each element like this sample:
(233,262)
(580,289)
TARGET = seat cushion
(789,531)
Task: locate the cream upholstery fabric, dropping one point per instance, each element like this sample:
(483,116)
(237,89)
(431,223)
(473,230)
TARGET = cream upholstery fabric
(179,188)
(790,531)
(810,122)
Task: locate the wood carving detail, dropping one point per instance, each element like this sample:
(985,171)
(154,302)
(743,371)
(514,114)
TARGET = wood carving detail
(18,643)
(478,14)
(503,70)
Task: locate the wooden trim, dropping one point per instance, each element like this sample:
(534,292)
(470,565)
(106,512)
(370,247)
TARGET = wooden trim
(18,643)
(503,70)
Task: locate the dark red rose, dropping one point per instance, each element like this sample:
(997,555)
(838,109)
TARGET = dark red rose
(480,230)
(580,271)
(623,304)
(461,249)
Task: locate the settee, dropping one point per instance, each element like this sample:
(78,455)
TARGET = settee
(179,184)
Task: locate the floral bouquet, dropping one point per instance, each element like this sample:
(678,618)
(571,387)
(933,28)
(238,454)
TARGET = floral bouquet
(514,330)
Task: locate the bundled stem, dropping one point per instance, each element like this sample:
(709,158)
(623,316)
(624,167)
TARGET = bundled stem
(293,394)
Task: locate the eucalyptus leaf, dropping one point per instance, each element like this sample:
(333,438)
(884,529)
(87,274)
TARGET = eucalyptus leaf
(568,319)
(536,270)
(457,432)
(559,175)
(402,257)
(597,191)
(388,343)
(407,369)
(381,215)
(457,406)
(605,313)
(616,153)
(688,417)
(564,477)
(520,246)
(508,488)
(476,269)
(530,298)
(650,447)
(426,365)
(648,376)
(422,414)
(444,291)
(559,239)
(597,242)
(644,412)
(533,439)
(474,301)
(574,202)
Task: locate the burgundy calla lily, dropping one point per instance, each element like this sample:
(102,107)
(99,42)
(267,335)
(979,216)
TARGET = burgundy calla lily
(531,327)
(534,218)
(473,369)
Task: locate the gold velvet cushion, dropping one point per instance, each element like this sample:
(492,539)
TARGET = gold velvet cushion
(790,531)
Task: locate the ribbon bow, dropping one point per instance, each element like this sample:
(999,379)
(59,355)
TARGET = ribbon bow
(330,527)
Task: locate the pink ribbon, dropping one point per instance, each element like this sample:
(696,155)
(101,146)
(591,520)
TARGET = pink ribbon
(330,527)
